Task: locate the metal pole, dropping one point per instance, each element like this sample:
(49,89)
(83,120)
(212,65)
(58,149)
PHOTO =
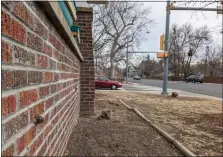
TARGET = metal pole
(196,8)
(127,61)
(165,75)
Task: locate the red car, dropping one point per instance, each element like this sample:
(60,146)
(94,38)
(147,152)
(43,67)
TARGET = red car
(103,82)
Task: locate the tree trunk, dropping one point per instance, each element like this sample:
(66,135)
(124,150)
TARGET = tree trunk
(112,68)
(187,66)
(205,66)
(96,67)
(175,65)
(211,72)
(183,70)
(178,66)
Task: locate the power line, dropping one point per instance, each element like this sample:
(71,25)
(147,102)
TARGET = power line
(215,30)
(216,27)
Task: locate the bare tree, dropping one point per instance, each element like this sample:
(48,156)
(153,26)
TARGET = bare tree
(150,67)
(187,40)
(200,4)
(203,3)
(179,40)
(119,25)
(200,38)
(212,60)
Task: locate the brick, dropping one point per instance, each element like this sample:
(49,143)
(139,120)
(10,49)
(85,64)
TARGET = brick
(23,13)
(60,86)
(8,105)
(50,137)
(59,66)
(55,42)
(35,77)
(47,130)
(29,136)
(40,29)
(61,58)
(6,52)
(28,97)
(42,61)
(62,67)
(48,77)
(35,145)
(39,12)
(56,77)
(15,125)
(20,144)
(44,91)
(27,17)
(12,28)
(58,107)
(48,103)
(34,42)
(56,98)
(53,88)
(36,110)
(21,56)
(43,149)
(56,54)
(9,151)
(13,79)
(52,64)
(47,49)
(52,112)
(64,84)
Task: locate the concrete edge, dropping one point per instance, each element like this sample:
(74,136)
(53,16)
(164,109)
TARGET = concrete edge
(185,151)
(56,16)
(196,95)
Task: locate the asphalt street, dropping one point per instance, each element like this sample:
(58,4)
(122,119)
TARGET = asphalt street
(204,88)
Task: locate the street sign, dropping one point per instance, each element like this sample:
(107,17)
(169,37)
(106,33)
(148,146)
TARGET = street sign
(162,54)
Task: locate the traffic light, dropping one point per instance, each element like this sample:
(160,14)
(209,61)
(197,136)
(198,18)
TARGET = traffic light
(190,53)
(162,42)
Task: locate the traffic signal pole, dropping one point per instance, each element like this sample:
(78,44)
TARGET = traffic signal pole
(165,75)
(168,8)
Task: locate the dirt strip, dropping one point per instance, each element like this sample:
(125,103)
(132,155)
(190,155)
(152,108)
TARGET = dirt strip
(196,123)
(124,134)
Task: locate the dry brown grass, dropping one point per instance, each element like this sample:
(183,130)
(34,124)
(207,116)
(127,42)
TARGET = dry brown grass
(195,122)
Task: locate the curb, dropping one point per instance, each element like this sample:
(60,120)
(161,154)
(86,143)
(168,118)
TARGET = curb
(185,151)
(130,83)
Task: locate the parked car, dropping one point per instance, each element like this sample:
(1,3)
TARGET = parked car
(136,77)
(195,78)
(103,82)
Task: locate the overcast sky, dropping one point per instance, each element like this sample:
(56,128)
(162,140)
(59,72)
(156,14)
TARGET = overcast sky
(158,8)
(180,17)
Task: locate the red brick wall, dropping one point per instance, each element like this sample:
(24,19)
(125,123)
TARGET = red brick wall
(40,76)
(84,20)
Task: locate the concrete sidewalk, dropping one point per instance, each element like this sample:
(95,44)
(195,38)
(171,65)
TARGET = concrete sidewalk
(157,90)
